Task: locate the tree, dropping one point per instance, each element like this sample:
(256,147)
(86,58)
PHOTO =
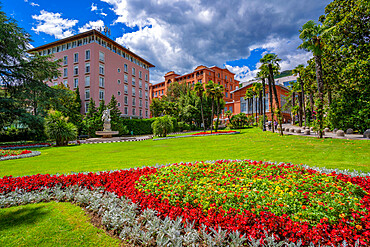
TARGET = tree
(211,92)
(199,89)
(262,74)
(298,72)
(257,91)
(115,115)
(271,61)
(219,95)
(156,107)
(228,114)
(311,35)
(249,97)
(162,126)
(89,120)
(59,129)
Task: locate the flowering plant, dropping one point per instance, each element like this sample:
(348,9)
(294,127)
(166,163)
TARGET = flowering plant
(44,144)
(218,132)
(5,153)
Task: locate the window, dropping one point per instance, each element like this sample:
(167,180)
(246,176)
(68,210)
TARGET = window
(65,82)
(126,89)
(87,81)
(101,69)
(63,47)
(146,113)
(125,68)
(125,78)
(140,93)
(133,71)
(119,104)
(218,75)
(86,106)
(140,113)
(119,93)
(133,101)
(101,94)
(146,95)
(146,86)
(209,73)
(146,77)
(140,74)
(133,111)
(101,56)
(231,108)
(146,104)
(231,87)
(125,100)
(65,60)
(200,80)
(119,70)
(133,91)
(65,72)
(226,94)
(87,94)
(75,70)
(87,67)
(101,81)
(87,54)
(140,103)
(125,111)
(140,83)
(75,58)
(225,77)
(75,84)
(133,81)
(119,82)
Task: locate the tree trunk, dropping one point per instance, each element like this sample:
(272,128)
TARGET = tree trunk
(280,116)
(293,105)
(212,102)
(218,115)
(264,104)
(311,103)
(300,109)
(271,109)
(252,111)
(201,111)
(303,102)
(320,84)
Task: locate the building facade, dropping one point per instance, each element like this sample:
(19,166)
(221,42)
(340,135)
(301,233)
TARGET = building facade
(100,68)
(240,104)
(201,74)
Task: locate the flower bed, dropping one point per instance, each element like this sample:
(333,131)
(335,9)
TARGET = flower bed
(18,146)
(5,153)
(214,133)
(288,202)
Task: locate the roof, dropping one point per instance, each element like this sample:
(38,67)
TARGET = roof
(250,83)
(85,34)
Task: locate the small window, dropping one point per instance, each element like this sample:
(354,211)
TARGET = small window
(125,100)
(140,74)
(101,81)
(133,71)
(140,113)
(125,68)
(65,83)
(146,113)
(119,104)
(101,69)
(75,84)
(146,86)
(140,83)
(140,94)
(226,94)
(140,103)
(133,81)
(101,94)
(119,93)
(134,111)
(87,67)
(65,60)
(119,70)
(101,56)
(126,89)
(75,70)
(75,58)
(86,106)
(119,82)
(133,101)
(146,95)
(133,91)
(87,94)
(87,81)
(125,111)
(87,54)
(146,104)
(65,72)
(146,77)
(125,78)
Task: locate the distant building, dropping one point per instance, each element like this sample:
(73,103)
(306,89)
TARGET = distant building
(240,104)
(201,74)
(100,67)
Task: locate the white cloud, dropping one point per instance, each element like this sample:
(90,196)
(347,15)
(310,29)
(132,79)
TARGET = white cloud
(34,4)
(91,25)
(242,73)
(54,24)
(181,34)
(94,7)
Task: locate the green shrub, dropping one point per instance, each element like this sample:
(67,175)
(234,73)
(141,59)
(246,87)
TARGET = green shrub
(162,126)
(59,129)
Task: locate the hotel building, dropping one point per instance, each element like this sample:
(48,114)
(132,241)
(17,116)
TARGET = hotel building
(201,74)
(100,68)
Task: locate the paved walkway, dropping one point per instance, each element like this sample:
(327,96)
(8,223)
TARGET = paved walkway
(326,134)
(115,139)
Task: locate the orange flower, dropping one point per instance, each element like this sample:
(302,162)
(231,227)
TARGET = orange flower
(304,207)
(359,227)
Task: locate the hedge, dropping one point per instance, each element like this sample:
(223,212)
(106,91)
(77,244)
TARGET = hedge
(143,126)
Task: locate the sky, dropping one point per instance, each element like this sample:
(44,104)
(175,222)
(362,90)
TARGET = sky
(179,35)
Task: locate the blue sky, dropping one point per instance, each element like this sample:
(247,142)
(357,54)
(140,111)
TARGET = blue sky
(180,34)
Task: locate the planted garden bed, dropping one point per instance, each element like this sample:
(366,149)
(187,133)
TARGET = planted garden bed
(17,154)
(216,202)
(19,146)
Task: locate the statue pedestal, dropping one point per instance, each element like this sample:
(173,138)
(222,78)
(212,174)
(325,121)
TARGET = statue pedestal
(106,134)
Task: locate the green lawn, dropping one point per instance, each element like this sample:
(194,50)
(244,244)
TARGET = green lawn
(250,144)
(50,224)
(63,224)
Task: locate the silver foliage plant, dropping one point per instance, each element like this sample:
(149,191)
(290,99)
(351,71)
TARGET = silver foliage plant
(144,227)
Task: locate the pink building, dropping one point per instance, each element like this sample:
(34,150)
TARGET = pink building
(100,67)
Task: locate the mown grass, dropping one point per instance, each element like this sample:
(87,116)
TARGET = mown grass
(250,144)
(50,224)
(63,224)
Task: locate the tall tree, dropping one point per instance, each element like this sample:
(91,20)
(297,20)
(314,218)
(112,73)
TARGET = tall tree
(271,61)
(219,95)
(211,92)
(199,89)
(312,34)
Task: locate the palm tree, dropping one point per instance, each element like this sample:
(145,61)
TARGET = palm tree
(298,71)
(261,75)
(311,34)
(219,95)
(228,114)
(271,61)
(257,90)
(249,97)
(211,92)
(199,89)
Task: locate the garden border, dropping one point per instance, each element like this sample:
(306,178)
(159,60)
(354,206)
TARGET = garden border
(32,154)
(174,137)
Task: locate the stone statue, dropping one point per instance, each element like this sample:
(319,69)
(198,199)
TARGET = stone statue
(106,119)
